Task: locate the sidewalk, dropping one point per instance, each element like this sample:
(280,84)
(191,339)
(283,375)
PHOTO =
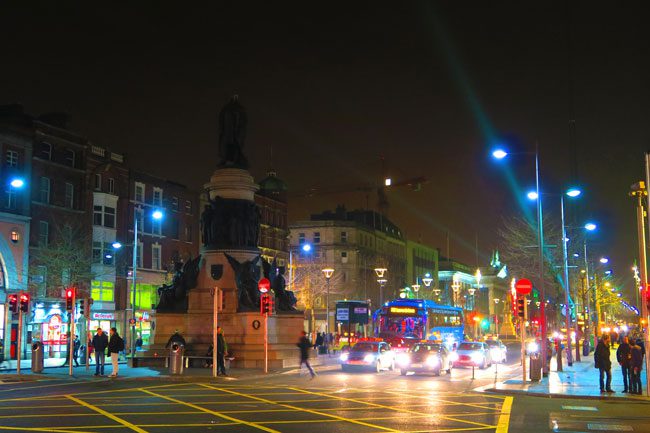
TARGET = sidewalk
(579,380)
(152,373)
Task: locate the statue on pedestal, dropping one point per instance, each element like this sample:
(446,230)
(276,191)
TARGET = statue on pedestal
(247,275)
(173,297)
(285,300)
(232,132)
(230,223)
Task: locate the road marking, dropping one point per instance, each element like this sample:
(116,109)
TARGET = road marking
(504,418)
(587,408)
(480,424)
(107,414)
(212,412)
(609,427)
(299,409)
(45,429)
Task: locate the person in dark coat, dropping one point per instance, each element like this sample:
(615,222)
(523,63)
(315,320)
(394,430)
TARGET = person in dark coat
(319,340)
(603,363)
(75,350)
(624,358)
(175,338)
(222,350)
(636,366)
(115,346)
(304,345)
(100,343)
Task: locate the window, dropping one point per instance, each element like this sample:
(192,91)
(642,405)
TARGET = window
(69,157)
(188,233)
(102,291)
(69,195)
(43,233)
(15,236)
(104,216)
(188,206)
(98,182)
(12,158)
(156,226)
(344,237)
(46,150)
(155,257)
(10,193)
(97,252)
(98,216)
(157,197)
(344,256)
(139,214)
(301,238)
(175,203)
(317,237)
(44,190)
(111,185)
(139,192)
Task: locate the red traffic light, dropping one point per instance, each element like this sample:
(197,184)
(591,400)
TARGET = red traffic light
(24,297)
(13,303)
(264,285)
(69,293)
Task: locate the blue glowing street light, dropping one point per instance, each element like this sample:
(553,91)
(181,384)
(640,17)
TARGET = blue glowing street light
(604,260)
(116,245)
(590,227)
(306,247)
(157,215)
(499,154)
(573,192)
(17,183)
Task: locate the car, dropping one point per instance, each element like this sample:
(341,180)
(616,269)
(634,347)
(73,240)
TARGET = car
(424,357)
(473,354)
(498,351)
(373,355)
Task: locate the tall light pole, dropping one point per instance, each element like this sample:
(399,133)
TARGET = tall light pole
(500,154)
(328,272)
(381,272)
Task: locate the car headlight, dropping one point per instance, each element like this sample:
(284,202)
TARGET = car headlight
(532,347)
(369,358)
(403,359)
(453,356)
(476,357)
(433,361)
(344,357)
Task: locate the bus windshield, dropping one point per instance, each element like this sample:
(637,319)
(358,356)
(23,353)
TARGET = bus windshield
(402,326)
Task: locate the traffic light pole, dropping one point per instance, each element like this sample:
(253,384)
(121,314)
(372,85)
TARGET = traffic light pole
(215,320)
(71,339)
(522,332)
(645,292)
(20,332)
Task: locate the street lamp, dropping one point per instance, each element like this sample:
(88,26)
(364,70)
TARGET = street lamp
(17,183)
(427,280)
(327,272)
(604,260)
(455,286)
(380,272)
(416,289)
(500,154)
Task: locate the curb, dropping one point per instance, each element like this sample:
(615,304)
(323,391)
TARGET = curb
(565,396)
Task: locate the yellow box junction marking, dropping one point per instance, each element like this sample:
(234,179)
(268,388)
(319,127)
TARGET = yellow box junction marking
(107,414)
(504,418)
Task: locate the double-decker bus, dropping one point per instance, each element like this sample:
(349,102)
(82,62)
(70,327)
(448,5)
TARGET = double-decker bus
(403,322)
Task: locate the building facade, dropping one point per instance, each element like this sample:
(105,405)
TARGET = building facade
(422,269)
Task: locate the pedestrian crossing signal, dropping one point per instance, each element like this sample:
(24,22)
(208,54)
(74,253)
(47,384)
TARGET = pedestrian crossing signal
(24,302)
(266,304)
(69,297)
(521,307)
(13,303)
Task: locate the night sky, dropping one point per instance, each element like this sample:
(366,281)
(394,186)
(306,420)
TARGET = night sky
(331,87)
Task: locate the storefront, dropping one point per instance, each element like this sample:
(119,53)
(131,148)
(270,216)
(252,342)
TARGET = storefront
(50,325)
(143,327)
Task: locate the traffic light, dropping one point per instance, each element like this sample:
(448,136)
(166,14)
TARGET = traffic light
(69,296)
(266,304)
(13,303)
(84,307)
(521,307)
(24,302)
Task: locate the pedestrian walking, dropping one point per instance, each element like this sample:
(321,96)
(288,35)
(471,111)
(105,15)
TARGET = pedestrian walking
(76,344)
(115,346)
(624,358)
(636,365)
(304,345)
(222,351)
(100,343)
(603,363)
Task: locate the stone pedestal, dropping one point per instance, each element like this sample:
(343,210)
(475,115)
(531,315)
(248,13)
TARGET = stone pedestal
(244,331)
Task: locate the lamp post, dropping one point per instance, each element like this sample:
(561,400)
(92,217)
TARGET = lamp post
(416,289)
(327,272)
(380,272)
(500,154)
(455,286)
(157,215)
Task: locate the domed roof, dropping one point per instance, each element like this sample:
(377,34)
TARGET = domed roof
(272,183)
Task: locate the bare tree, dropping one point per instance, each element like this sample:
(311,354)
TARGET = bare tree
(64,262)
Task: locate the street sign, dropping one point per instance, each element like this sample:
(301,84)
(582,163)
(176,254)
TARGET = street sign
(264,285)
(342,314)
(523,286)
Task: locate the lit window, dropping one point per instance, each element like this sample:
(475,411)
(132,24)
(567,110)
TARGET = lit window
(15,236)
(12,158)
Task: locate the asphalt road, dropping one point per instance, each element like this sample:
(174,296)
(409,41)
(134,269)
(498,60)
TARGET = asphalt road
(292,403)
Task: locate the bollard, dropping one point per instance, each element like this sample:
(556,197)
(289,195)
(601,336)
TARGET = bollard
(37,357)
(176,358)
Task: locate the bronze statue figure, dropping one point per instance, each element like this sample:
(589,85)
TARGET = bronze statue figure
(285,300)
(173,297)
(247,275)
(230,223)
(232,132)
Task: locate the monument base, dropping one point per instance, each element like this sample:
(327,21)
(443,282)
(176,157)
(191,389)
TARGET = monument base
(243,331)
